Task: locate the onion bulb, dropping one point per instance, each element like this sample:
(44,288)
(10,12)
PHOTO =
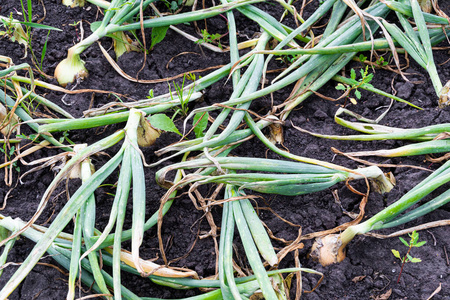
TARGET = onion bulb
(146,133)
(73,3)
(70,69)
(328,250)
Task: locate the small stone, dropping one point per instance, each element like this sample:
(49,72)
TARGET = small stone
(404,89)
(320,114)
(298,120)
(378,284)
(399,292)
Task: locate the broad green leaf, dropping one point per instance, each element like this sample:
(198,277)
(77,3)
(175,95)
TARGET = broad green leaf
(158,34)
(420,244)
(95,25)
(358,94)
(404,242)
(368,78)
(173,6)
(415,260)
(396,253)
(201,126)
(353,74)
(163,122)
(341,87)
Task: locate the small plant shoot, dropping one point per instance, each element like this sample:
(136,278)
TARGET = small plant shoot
(158,35)
(163,122)
(365,79)
(210,38)
(413,243)
(200,122)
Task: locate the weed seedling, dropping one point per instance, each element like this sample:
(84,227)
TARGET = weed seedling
(13,30)
(366,77)
(173,6)
(9,155)
(381,62)
(210,38)
(184,99)
(414,242)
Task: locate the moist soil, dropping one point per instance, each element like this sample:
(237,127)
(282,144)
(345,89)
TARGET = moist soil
(370,270)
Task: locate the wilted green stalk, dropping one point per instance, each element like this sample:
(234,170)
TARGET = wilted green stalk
(74,204)
(420,50)
(300,179)
(118,13)
(375,132)
(334,251)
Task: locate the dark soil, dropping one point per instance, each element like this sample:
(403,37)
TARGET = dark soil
(369,270)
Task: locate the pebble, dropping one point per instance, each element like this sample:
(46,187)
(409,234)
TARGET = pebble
(320,114)
(399,292)
(378,284)
(404,89)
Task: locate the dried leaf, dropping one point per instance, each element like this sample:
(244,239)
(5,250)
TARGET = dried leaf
(358,278)
(435,291)
(384,296)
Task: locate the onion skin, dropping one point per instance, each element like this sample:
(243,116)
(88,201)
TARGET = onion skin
(328,250)
(73,3)
(146,133)
(70,69)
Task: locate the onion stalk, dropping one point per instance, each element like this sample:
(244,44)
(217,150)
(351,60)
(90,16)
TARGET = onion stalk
(299,178)
(331,249)
(419,48)
(129,157)
(375,132)
(59,250)
(72,67)
(254,238)
(430,139)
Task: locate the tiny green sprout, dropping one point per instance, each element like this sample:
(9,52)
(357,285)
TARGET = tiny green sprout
(210,38)
(31,137)
(362,58)
(191,76)
(9,28)
(65,137)
(381,62)
(288,59)
(182,97)
(13,30)
(414,242)
(9,154)
(75,23)
(365,79)
(150,94)
(173,6)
